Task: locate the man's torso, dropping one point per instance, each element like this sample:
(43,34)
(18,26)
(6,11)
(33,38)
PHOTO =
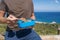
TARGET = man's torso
(19,8)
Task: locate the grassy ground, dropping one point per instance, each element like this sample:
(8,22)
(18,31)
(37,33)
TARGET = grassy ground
(2,28)
(47,29)
(42,29)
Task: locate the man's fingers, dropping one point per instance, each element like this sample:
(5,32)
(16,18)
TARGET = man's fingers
(11,17)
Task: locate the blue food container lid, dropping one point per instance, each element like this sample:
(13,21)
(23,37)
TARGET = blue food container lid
(22,24)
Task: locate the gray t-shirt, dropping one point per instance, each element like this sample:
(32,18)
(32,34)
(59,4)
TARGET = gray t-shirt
(18,8)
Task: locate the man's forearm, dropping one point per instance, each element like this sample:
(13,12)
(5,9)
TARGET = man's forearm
(3,20)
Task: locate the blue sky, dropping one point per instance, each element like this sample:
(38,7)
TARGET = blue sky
(46,5)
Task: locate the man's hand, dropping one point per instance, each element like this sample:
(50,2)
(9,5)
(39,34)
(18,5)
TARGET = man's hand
(12,21)
(11,17)
(33,16)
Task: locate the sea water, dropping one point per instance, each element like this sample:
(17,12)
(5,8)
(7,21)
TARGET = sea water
(48,16)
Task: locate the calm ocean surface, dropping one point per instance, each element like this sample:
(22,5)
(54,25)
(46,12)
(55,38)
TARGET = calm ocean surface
(48,16)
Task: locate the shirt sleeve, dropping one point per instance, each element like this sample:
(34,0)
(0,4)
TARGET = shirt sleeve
(2,5)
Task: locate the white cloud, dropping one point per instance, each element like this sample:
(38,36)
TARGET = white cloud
(57,1)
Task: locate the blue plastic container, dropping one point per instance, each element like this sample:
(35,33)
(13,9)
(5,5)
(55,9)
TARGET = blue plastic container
(22,24)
